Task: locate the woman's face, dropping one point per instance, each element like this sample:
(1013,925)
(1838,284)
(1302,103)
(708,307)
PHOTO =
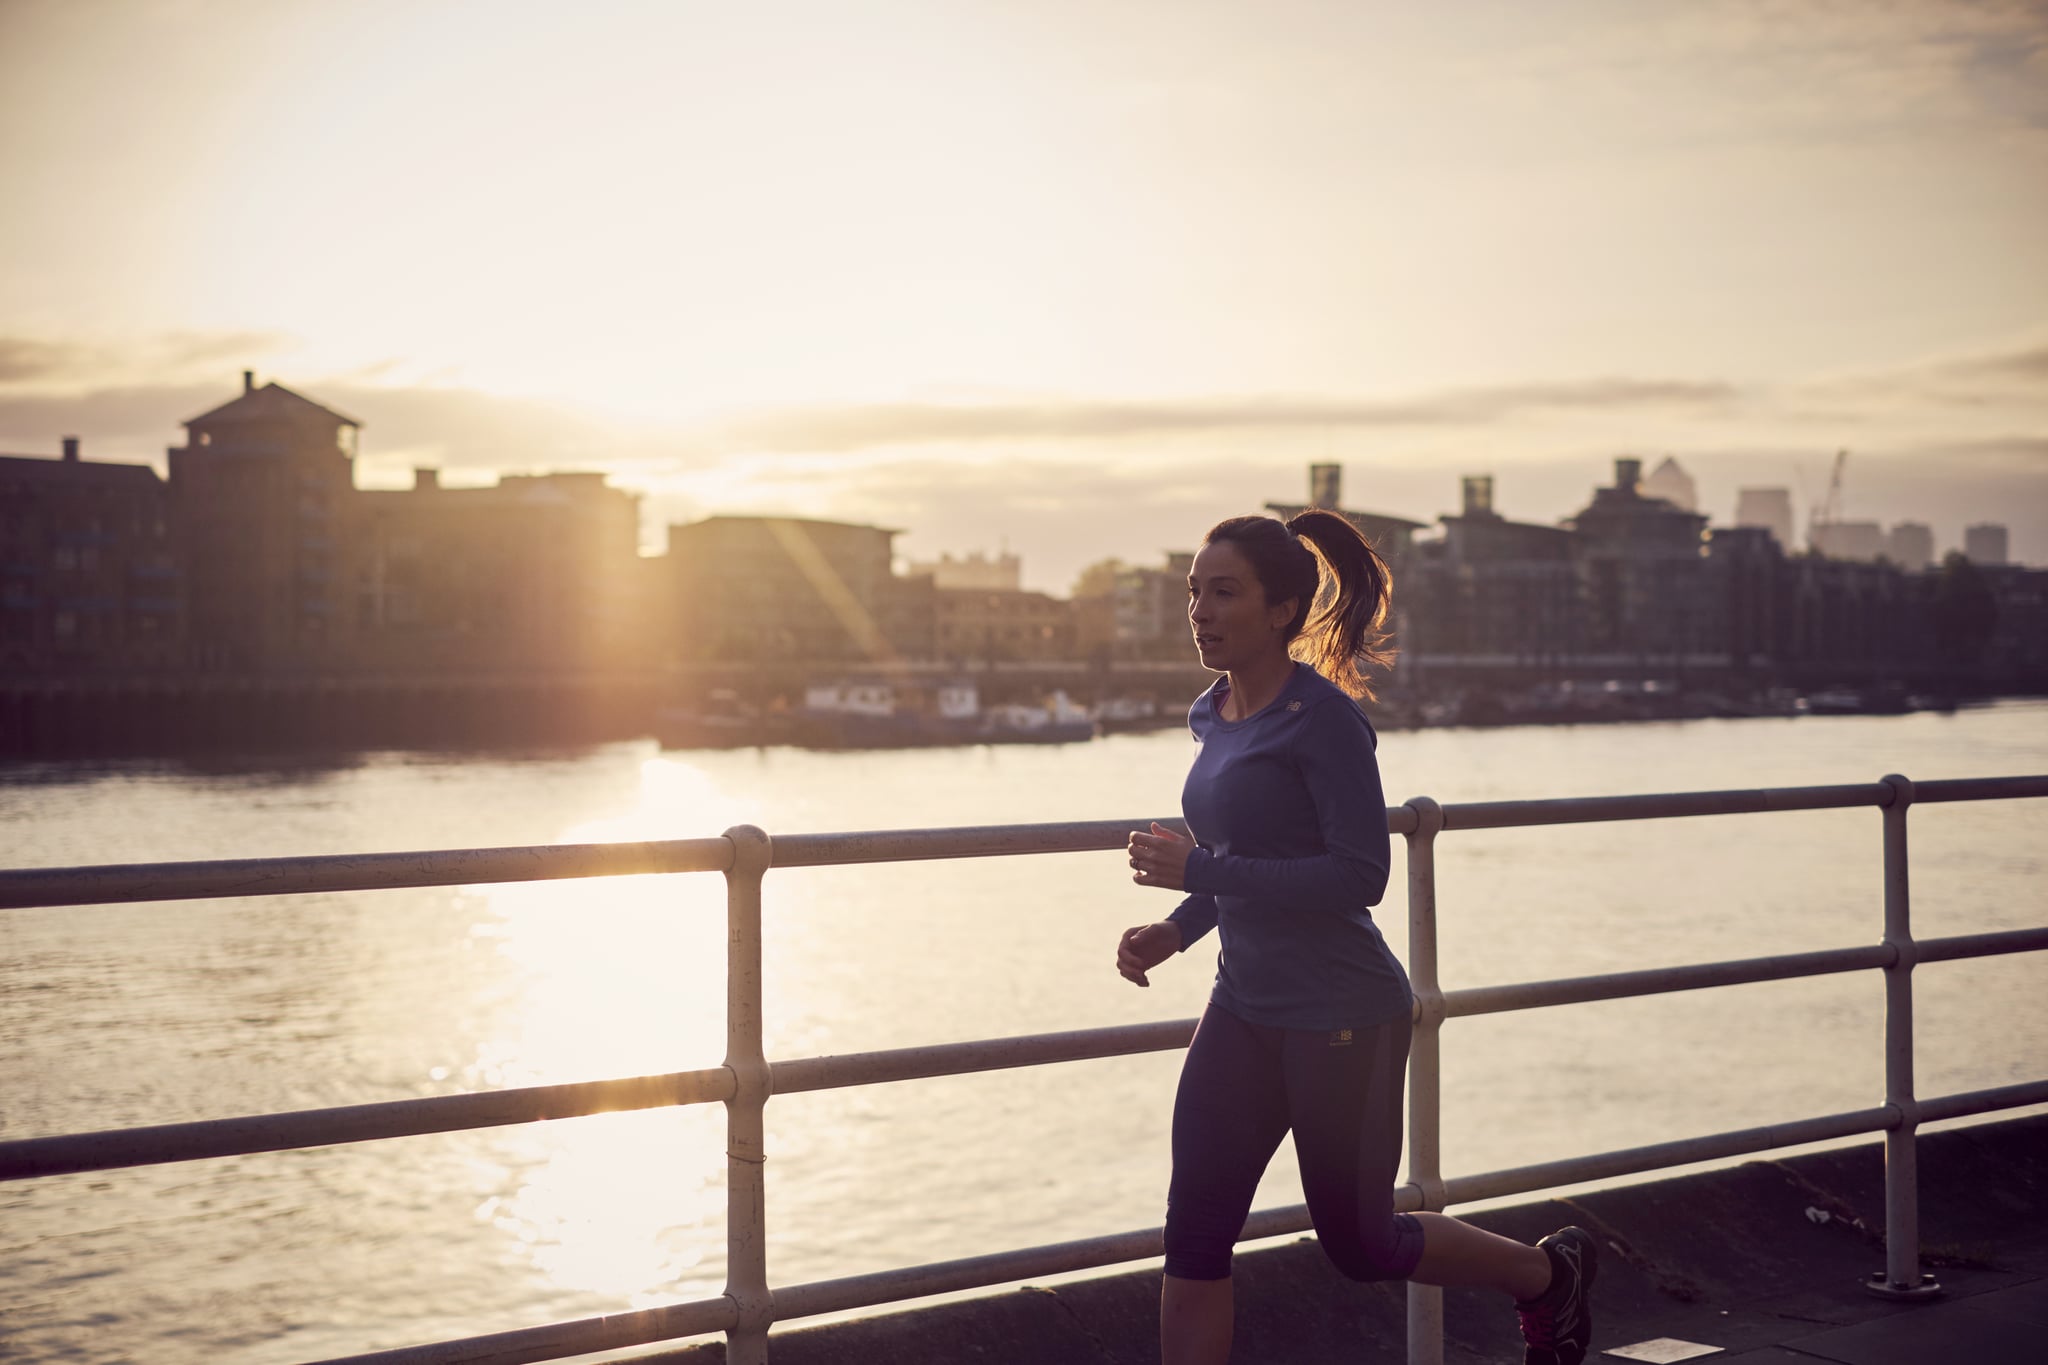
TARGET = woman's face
(1234,624)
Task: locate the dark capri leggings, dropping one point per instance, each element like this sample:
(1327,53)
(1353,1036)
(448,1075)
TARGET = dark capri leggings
(1242,1087)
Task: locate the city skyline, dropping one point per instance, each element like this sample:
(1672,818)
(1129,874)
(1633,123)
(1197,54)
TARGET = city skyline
(1076,281)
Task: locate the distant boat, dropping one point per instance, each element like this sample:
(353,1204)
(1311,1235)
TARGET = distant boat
(722,721)
(883,713)
(1126,715)
(888,713)
(1057,721)
(1835,701)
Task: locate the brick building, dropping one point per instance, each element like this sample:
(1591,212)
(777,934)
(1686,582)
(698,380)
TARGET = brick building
(91,574)
(786,589)
(263,494)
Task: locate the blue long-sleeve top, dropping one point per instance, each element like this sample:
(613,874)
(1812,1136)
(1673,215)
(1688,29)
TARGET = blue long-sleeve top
(1291,827)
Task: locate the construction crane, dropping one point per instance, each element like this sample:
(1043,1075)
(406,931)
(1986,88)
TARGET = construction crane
(1829,511)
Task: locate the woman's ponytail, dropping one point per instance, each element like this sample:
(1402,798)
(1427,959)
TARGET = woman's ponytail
(1341,585)
(1343,636)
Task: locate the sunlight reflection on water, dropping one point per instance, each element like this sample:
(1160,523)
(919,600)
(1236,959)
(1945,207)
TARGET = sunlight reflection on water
(619,977)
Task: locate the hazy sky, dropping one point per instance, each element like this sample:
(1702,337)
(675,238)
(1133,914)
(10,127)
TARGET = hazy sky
(1084,277)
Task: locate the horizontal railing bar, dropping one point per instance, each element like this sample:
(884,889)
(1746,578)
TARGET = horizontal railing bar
(966,841)
(1522,995)
(1979,788)
(134,882)
(162,1144)
(1967,1102)
(991,1054)
(210,1138)
(121,883)
(1635,1160)
(1987,944)
(563,1339)
(1659,806)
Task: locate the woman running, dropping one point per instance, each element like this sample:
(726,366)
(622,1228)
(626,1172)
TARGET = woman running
(1307,1027)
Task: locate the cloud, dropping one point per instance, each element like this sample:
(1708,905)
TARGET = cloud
(450,428)
(2013,377)
(1994,454)
(50,364)
(1825,68)
(466,428)
(850,427)
(24,359)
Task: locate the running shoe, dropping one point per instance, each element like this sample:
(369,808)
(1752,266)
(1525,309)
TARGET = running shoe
(1558,1323)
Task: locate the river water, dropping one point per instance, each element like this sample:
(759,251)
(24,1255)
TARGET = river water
(159,1013)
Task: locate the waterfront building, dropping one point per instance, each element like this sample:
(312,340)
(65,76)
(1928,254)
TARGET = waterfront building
(262,492)
(91,574)
(2015,655)
(986,625)
(1490,592)
(536,573)
(1985,544)
(988,573)
(1852,620)
(1644,594)
(1746,574)
(1093,605)
(1770,509)
(788,590)
(1149,608)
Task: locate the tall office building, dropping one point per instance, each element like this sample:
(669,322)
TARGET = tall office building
(1862,541)
(1670,482)
(1910,545)
(1985,544)
(1770,508)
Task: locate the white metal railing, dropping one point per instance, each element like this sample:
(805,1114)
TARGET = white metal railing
(746,1079)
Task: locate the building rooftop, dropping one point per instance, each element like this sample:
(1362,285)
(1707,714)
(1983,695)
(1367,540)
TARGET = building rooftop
(269,403)
(50,469)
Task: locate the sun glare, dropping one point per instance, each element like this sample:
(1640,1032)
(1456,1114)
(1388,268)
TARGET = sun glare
(608,977)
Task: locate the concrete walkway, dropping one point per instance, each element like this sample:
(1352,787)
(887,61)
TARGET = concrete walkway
(1764,1261)
(1998,1327)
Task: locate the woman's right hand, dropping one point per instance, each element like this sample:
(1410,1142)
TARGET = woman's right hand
(1145,947)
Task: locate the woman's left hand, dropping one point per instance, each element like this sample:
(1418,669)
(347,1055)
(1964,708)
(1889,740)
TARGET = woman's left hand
(1160,858)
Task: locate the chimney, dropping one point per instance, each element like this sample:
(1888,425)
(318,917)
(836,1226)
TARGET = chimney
(248,381)
(1326,486)
(425,480)
(71,450)
(1628,472)
(1478,495)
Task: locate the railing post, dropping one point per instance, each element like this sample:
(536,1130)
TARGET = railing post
(746,1152)
(1901,1277)
(1425,1072)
